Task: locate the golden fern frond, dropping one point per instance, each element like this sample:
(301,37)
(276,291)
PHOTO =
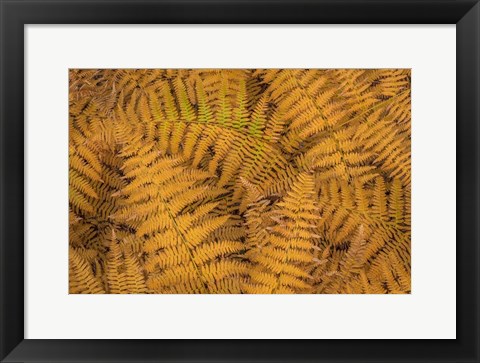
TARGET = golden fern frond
(344,208)
(81,276)
(329,117)
(123,271)
(337,270)
(94,175)
(227,140)
(279,262)
(349,271)
(182,251)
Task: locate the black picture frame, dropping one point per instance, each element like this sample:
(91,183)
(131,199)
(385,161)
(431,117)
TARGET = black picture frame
(15,14)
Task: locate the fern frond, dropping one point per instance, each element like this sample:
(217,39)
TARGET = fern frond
(81,277)
(123,271)
(279,263)
(158,205)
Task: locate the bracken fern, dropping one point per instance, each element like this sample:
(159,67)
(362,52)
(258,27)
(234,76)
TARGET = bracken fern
(234,181)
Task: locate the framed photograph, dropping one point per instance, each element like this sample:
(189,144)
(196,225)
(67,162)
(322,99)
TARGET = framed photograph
(239,181)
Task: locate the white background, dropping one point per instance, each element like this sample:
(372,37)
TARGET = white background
(429,312)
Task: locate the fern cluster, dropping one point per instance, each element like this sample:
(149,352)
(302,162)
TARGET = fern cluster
(256,181)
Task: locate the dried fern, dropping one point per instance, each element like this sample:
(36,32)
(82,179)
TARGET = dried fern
(240,181)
